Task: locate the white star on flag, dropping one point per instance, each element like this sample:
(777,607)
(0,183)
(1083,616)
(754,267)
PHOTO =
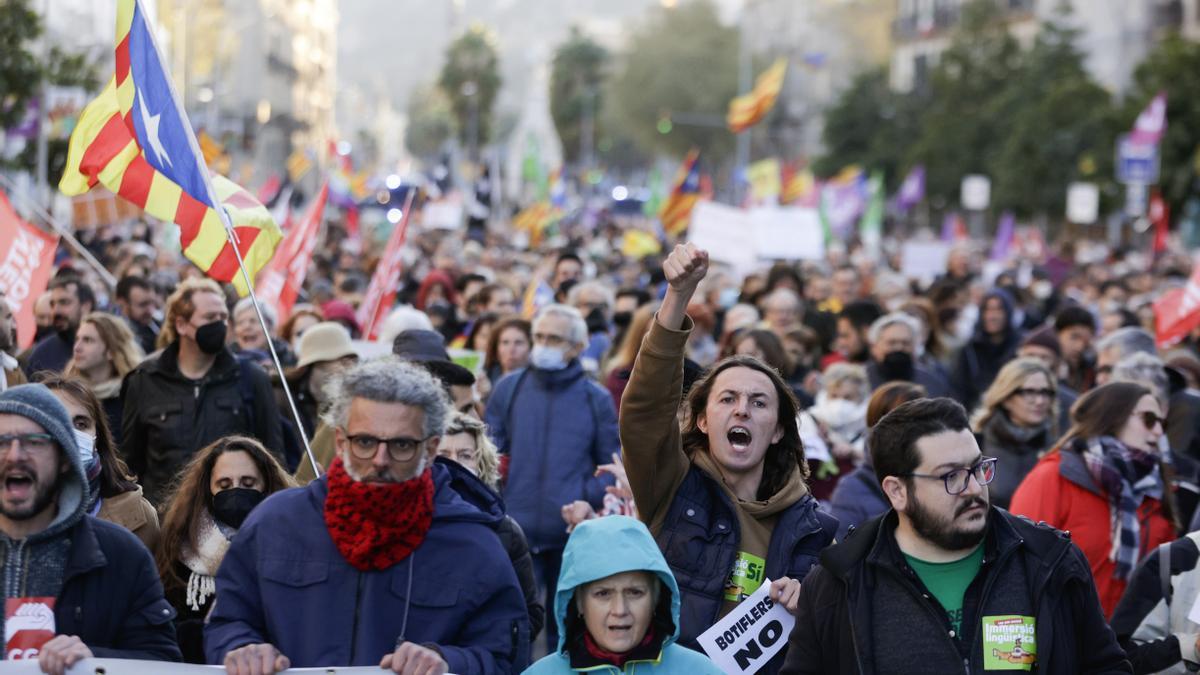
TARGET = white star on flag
(150,122)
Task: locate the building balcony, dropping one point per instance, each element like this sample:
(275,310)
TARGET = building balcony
(912,27)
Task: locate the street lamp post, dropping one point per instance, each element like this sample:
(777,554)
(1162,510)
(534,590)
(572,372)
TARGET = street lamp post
(471,91)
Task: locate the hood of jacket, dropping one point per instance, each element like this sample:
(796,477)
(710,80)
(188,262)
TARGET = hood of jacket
(469,489)
(1010,329)
(603,547)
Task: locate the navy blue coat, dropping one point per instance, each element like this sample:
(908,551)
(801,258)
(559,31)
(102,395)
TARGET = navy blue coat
(556,427)
(111,596)
(284,582)
(857,499)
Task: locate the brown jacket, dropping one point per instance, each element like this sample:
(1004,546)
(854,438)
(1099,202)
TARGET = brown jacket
(13,377)
(131,511)
(323,448)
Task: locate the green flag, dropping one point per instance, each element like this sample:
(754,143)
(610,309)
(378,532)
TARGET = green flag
(870,227)
(657,194)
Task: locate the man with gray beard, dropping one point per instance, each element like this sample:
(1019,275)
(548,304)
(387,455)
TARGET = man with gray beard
(380,561)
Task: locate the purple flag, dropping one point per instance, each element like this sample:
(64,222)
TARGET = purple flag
(843,202)
(1005,230)
(1151,124)
(912,190)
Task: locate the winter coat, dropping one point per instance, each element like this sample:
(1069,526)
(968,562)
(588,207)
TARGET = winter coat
(1060,491)
(556,427)
(1017,448)
(479,495)
(112,598)
(168,418)
(1151,621)
(51,354)
(857,498)
(601,548)
(863,610)
(284,582)
(131,511)
(687,508)
(982,357)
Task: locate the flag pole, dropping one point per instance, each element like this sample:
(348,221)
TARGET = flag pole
(233,241)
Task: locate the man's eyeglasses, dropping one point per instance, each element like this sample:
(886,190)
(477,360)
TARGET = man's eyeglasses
(1150,419)
(400,449)
(31,443)
(957,480)
(1027,392)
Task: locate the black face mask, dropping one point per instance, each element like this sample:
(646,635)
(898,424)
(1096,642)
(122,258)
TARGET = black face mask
(596,321)
(897,366)
(210,337)
(232,506)
(622,319)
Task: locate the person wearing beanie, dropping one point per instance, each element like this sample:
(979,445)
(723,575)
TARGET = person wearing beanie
(1044,345)
(96,578)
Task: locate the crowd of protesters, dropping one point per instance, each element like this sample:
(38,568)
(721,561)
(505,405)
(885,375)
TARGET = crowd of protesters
(641,446)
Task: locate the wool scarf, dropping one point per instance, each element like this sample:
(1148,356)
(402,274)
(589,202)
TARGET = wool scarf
(376,525)
(1127,477)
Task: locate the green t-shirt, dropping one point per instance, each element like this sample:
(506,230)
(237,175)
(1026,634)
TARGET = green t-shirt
(949,581)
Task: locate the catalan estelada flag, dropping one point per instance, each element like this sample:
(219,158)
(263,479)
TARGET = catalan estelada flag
(676,213)
(747,110)
(135,140)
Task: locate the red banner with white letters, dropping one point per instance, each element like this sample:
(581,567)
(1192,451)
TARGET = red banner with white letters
(281,280)
(1177,312)
(26,263)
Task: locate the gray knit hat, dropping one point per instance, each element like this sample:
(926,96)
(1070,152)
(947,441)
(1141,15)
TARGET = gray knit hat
(37,403)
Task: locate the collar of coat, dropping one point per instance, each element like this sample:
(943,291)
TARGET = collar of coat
(875,544)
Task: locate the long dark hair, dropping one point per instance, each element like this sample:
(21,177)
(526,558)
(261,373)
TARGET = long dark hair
(115,477)
(781,457)
(191,495)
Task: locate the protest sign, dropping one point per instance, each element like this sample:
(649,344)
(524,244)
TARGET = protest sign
(723,231)
(924,260)
(26,262)
(749,636)
(788,234)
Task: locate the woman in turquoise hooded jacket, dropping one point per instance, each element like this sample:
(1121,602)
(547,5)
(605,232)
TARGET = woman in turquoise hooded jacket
(607,550)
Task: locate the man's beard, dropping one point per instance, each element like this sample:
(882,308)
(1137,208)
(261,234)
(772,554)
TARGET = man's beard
(386,476)
(941,532)
(43,496)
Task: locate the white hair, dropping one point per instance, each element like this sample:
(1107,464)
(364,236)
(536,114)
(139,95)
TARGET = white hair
(598,287)
(403,318)
(883,322)
(578,327)
(1146,370)
(1128,340)
(387,379)
(268,312)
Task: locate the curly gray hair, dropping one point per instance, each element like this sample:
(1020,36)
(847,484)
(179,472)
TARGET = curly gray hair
(387,379)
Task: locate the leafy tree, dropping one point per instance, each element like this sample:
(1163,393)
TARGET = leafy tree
(681,65)
(470,79)
(19,70)
(1174,67)
(576,82)
(1061,130)
(431,122)
(963,125)
(872,126)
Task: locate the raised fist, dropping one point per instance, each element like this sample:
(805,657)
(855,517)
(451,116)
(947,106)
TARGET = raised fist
(685,267)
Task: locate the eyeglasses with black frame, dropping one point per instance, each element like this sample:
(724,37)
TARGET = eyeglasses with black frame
(956,481)
(400,448)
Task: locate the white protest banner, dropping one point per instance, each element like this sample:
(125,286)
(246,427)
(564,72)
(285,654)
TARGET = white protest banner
(788,234)
(924,260)
(129,667)
(726,233)
(746,639)
(443,215)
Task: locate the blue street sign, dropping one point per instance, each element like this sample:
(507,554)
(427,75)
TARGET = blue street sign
(1136,163)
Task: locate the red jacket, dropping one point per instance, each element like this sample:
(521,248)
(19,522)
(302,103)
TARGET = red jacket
(1060,491)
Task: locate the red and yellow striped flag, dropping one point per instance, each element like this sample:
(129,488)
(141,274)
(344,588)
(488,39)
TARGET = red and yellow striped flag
(747,110)
(676,213)
(134,140)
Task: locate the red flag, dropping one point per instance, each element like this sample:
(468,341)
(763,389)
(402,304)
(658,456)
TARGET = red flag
(386,280)
(280,282)
(1177,312)
(1160,215)
(25,267)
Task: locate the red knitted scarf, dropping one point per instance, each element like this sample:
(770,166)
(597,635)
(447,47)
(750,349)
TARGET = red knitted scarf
(376,525)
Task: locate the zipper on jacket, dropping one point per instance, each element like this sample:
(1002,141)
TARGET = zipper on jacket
(354,626)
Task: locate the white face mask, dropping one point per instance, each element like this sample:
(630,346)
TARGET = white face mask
(86,444)
(548,358)
(841,415)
